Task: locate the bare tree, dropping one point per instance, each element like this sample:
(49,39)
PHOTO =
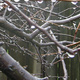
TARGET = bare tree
(27,21)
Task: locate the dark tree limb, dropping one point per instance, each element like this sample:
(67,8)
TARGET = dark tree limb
(17,31)
(13,29)
(13,69)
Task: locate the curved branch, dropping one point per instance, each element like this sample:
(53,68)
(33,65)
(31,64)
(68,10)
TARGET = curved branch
(36,25)
(65,20)
(46,24)
(13,29)
(50,43)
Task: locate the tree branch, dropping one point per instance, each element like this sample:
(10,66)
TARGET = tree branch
(15,8)
(12,28)
(13,69)
(46,24)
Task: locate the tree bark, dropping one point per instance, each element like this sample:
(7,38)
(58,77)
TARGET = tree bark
(13,69)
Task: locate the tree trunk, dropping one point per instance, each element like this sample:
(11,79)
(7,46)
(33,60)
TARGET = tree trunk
(12,68)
